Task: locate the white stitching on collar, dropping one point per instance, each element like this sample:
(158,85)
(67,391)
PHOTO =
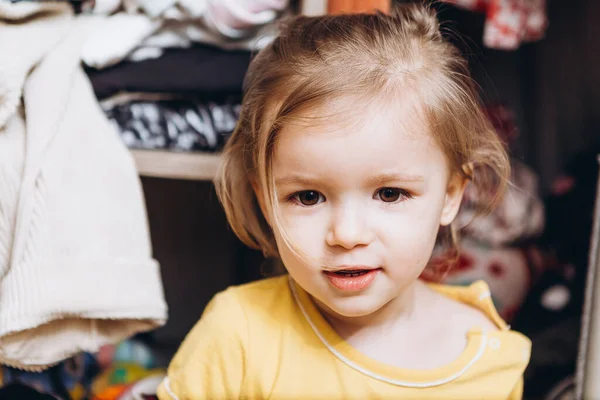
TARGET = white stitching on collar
(167,386)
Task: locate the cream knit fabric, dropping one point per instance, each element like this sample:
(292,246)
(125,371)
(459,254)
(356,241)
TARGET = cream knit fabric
(76,270)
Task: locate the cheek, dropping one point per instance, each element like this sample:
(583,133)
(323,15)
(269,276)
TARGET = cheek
(409,237)
(298,268)
(303,238)
(306,231)
(411,243)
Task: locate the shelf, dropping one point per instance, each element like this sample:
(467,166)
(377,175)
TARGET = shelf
(174,165)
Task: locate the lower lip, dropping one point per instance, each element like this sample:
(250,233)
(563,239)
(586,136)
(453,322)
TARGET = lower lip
(352,283)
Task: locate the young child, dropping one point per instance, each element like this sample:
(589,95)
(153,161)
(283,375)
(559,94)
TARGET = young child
(357,137)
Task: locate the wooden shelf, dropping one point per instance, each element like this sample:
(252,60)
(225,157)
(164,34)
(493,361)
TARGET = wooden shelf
(174,165)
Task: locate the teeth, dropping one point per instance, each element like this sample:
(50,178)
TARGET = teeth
(352,274)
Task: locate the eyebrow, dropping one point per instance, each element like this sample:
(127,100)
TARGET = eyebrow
(294,180)
(386,177)
(379,179)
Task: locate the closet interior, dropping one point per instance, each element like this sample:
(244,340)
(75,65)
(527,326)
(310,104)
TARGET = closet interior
(167,77)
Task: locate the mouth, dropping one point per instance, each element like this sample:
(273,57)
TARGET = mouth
(352,279)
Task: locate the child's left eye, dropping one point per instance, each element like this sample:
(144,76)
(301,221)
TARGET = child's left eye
(391,195)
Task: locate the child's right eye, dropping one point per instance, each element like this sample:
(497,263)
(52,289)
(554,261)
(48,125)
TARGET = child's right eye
(308,197)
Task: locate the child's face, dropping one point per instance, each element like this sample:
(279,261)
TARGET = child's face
(369,195)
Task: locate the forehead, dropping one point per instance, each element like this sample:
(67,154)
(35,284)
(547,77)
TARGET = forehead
(358,139)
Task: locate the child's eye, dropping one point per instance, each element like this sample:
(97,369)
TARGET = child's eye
(391,195)
(308,197)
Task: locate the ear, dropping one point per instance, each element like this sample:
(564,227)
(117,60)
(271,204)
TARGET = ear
(454,194)
(259,193)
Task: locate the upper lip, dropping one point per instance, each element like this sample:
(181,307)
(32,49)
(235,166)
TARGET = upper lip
(350,268)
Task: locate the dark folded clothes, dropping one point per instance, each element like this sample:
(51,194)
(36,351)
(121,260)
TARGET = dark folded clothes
(177,125)
(200,69)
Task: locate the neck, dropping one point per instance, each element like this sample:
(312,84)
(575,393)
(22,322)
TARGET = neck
(396,313)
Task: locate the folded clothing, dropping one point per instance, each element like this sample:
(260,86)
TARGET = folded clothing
(146,27)
(72,218)
(200,69)
(179,125)
(509,22)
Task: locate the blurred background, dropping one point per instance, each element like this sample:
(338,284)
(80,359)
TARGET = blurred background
(164,78)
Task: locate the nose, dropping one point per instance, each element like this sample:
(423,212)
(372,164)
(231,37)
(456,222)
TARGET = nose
(349,228)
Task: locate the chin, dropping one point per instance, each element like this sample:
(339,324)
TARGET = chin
(355,306)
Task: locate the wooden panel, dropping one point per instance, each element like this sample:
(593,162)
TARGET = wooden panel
(174,165)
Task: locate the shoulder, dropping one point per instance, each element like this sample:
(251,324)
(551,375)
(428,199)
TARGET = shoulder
(231,314)
(501,354)
(263,287)
(252,302)
(231,308)
(213,360)
(259,294)
(472,310)
(469,305)
(469,317)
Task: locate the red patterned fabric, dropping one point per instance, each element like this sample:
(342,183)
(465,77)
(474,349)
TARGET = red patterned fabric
(504,269)
(509,22)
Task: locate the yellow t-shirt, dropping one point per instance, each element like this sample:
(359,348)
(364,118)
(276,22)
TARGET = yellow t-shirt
(267,340)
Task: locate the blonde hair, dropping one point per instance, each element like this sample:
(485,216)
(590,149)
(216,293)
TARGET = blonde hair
(310,63)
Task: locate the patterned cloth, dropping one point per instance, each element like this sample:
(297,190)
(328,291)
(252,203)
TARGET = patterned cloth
(180,125)
(509,22)
(506,270)
(144,29)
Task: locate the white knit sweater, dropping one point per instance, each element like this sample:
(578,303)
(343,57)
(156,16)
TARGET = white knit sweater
(76,270)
